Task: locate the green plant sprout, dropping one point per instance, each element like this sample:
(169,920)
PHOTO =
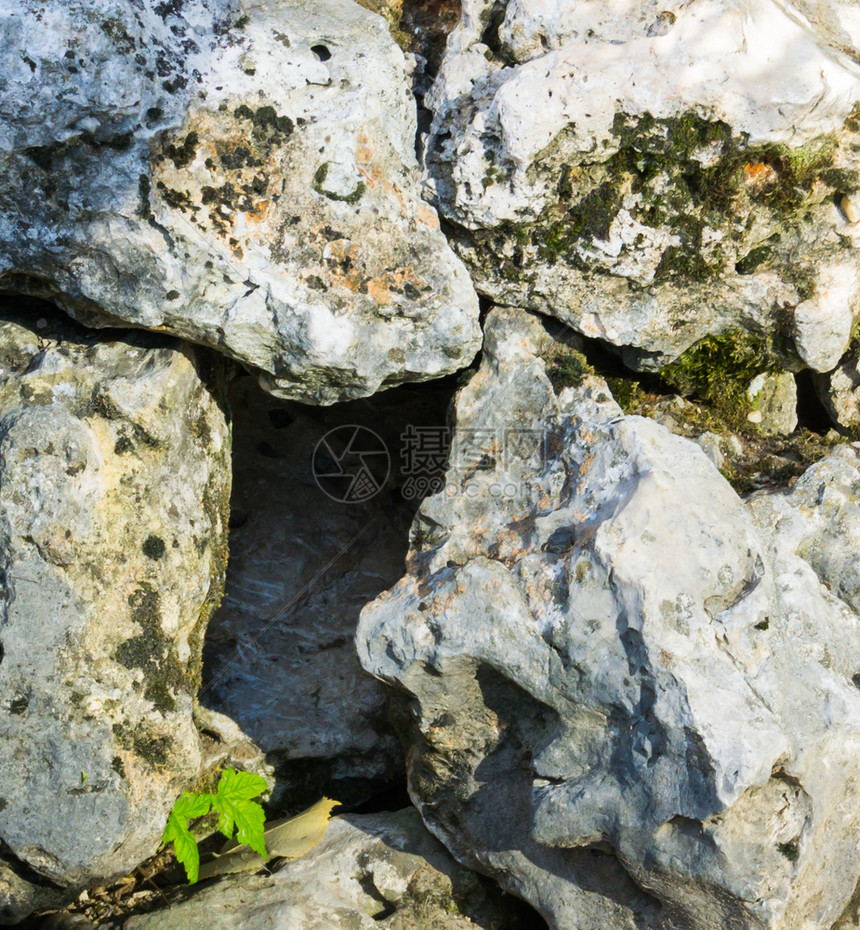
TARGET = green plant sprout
(233,800)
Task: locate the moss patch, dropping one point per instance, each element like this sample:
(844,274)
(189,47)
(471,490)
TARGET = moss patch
(718,369)
(353,197)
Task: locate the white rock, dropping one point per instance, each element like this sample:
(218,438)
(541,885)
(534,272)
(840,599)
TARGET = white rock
(114,490)
(616,165)
(773,399)
(620,655)
(242,177)
(840,393)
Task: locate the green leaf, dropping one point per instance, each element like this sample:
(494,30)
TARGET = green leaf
(191,805)
(235,806)
(250,818)
(184,845)
(240,786)
(233,801)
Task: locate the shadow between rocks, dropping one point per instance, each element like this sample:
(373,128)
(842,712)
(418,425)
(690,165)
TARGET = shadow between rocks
(322,501)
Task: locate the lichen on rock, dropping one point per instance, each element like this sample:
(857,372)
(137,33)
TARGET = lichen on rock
(245,179)
(575,184)
(114,480)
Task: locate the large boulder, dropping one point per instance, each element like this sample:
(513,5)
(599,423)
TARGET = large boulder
(244,178)
(627,694)
(653,172)
(114,489)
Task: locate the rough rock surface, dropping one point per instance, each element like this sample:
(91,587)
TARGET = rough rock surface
(628,695)
(654,172)
(280,654)
(773,403)
(373,871)
(242,175)
(114,487)
(839,391)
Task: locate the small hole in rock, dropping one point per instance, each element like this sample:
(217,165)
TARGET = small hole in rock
(321,53)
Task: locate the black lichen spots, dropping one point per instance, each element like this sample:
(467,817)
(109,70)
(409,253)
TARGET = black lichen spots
(179,200)
(169,8)
(118,766)
(234,157)
(153,547)
(183,155)
(791,851)
(267,122)
(116,31)
(151,651)
(144,188)
(351,198)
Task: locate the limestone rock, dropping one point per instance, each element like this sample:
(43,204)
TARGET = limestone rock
(374,871)
(627,695)
(241,175)
(840,393)
(114,484)
(773,403)
(653,172)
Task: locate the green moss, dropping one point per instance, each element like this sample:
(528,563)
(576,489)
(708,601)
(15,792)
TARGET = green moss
(688,174)
(353,197)
(719,368)
(151,651)
(153,748)
(568,368)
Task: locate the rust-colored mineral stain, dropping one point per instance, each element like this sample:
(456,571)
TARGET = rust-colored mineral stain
(759,174)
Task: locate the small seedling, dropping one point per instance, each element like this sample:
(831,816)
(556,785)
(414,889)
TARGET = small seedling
(233,800)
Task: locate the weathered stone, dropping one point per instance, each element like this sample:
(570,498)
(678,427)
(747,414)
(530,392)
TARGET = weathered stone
(242,177)
(114,487)
(840,393)
(280,654)
(653,172)
(374,871)
(627,695)
(773,403)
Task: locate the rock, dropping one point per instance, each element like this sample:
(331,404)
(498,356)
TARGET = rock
(280,654)
(773,403)
(114,483)
(651,173)
(820,521)
(840,393)
(626,695)
(245,179)
(372,871)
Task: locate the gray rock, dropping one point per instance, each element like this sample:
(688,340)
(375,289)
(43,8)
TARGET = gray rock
(626,695)
(653,172)
(374,871)
(114,484)
(241,177)
(773,403)
(839,391)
